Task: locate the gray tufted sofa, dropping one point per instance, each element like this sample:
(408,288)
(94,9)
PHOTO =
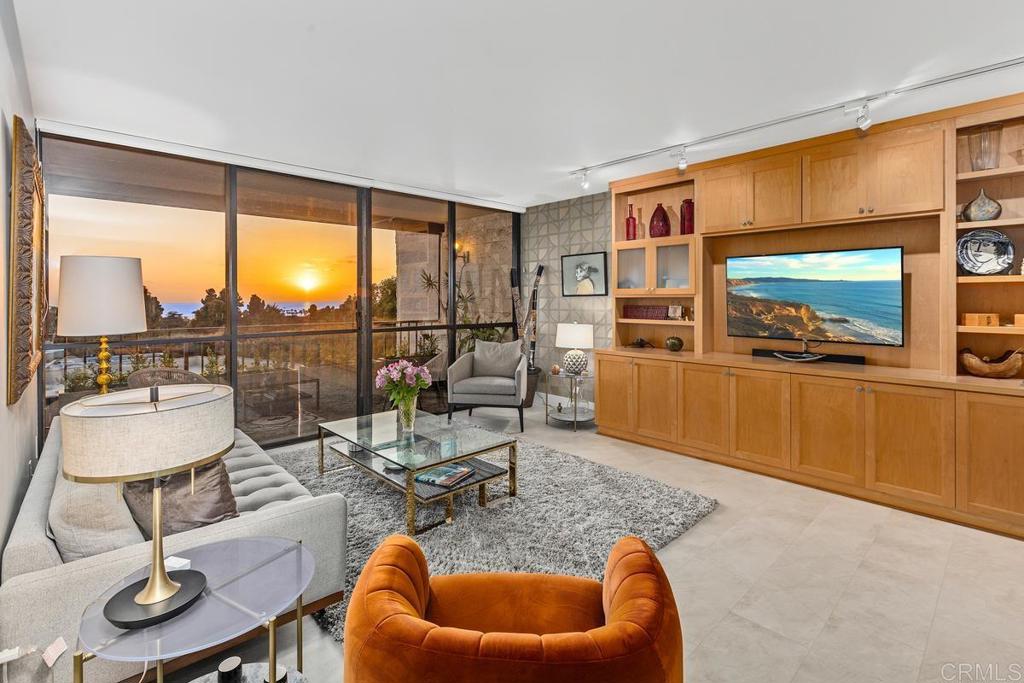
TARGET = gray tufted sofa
(41,597)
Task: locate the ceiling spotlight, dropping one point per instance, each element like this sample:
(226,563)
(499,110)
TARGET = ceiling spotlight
(584,180)
(864,117)
(680,156)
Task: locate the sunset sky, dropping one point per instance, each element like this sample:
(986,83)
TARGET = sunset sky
(182,250)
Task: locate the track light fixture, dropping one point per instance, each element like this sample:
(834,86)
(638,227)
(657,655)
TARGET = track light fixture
(864,117)
(584,180)
(680,156)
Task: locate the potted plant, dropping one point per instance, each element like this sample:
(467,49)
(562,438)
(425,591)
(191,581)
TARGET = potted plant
(401,382)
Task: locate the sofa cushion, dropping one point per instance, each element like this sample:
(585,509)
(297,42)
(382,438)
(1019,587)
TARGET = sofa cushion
(183,509)
(89,519)
(256,480)
(496,359)
(499,386)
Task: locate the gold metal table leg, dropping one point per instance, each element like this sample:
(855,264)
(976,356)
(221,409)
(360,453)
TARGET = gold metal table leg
(79,667)
(320,449)
(272,660)
(159,671)
(482,495)
(298,633)
(512,452)
(410,503)
(449,509)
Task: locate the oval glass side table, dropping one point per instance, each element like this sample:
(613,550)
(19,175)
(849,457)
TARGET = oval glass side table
(250,581)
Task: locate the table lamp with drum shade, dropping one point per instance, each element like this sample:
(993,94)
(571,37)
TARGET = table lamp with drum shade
(574,336)
(148,434)
(100,296)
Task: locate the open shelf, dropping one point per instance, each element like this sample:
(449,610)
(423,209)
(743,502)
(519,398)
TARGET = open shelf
(981,329)
(991,173)
(643,321)
(998,223)
(990,279)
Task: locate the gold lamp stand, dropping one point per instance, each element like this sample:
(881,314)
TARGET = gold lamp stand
(103,379)
(159,587)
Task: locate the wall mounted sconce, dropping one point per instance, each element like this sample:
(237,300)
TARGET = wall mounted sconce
(461,252)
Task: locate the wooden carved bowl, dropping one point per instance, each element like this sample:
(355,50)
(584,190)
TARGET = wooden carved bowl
(1006,366)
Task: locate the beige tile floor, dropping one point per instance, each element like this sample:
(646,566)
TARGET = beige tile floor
(786,583)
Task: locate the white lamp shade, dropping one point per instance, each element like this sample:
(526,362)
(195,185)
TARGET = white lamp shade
(123,436)
(574,336)
(100,296)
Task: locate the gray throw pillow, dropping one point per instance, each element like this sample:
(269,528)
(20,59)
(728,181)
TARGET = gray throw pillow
(495,359)
(182,510)
(89,519)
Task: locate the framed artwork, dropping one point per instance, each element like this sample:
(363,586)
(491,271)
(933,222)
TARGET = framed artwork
(585,274)
(26,293)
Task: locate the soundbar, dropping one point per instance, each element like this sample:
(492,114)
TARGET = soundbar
(809,356)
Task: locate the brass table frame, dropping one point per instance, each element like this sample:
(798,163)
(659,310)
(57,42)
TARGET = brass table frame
(80,657)
(410,481)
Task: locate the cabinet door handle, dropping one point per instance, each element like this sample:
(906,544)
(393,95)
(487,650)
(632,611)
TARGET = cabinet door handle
(871,209)
(725,373)
(860,210)
(870,390)
(860,389)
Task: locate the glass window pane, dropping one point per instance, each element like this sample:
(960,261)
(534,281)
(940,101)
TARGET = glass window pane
(423,347)
(112,201)
(484,264)
(297,241)
(410,263)
(70,374)
(287,385)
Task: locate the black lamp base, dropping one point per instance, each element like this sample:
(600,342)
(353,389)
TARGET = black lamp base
(123,612)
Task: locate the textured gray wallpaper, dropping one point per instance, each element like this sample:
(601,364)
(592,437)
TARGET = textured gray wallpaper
(571,226)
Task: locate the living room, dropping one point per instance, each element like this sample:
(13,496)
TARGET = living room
(512,342)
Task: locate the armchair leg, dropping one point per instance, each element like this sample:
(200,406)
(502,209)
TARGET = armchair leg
(451,407)
(471,412)
(521,428)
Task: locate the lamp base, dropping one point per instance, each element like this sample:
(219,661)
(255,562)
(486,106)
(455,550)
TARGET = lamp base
(123,612)
(575,362)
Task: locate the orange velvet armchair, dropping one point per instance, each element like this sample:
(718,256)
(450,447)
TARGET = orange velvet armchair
(405,625)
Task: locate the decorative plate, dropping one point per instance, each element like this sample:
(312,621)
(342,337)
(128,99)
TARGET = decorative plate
(985,252)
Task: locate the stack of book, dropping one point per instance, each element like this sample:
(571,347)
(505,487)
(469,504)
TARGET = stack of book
(445,475)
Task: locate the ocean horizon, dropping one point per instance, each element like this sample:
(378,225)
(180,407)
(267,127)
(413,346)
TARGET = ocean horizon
(874,308)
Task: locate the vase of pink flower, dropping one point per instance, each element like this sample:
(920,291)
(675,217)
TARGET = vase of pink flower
(402,382)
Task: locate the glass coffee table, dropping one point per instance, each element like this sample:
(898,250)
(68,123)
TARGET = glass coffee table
(375,445)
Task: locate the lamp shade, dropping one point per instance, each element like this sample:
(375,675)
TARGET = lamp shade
(100,296)
(123,436)
(574,336)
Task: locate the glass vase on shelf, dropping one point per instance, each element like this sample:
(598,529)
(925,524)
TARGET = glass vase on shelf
(659,226)
(630,224)
(983,145)
(686,217)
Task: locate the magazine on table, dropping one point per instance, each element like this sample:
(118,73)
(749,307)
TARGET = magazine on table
(446,475)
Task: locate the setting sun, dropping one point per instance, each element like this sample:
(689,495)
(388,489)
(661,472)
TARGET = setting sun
(307,280)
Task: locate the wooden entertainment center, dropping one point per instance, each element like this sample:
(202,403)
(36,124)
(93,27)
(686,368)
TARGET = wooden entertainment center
(910,428)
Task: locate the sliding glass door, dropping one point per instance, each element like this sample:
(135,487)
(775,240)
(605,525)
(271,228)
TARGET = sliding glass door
(292,290)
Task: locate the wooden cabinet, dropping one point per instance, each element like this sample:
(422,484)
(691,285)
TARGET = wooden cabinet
(910,439)
(759,410)
(828,428)
(833,183)
(657,265)
(888,173)
(614,392)
(723,198)
(990,456)
(762,193)
(904,171)
(703,407)
(655,395)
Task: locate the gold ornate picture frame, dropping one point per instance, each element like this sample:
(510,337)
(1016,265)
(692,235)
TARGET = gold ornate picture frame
(26,294)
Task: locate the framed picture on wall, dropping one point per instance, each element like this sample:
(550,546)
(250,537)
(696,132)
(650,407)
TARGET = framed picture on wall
(585,274)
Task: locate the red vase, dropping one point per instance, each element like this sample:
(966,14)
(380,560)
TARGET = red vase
(686,217)
(659,225)
(630,225)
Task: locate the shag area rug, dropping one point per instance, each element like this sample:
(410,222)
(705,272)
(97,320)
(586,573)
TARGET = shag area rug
(567,515)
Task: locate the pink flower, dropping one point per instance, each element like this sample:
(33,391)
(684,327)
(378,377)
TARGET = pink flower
(379,382)
(410,379)
(425,374)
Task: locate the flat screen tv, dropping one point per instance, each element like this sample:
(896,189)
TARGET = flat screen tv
(852,297)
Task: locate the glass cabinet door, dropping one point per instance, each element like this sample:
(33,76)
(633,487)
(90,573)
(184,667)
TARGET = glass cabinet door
(673,268)
(631,269)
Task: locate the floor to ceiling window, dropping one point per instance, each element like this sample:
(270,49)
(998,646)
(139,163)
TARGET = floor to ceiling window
(252,278)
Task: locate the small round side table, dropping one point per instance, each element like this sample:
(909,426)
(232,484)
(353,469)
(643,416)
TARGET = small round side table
(249,582)
(577,408)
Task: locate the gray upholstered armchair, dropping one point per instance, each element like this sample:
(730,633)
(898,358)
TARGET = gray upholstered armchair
(493,376)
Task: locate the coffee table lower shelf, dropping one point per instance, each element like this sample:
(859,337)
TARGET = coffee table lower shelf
(424,493)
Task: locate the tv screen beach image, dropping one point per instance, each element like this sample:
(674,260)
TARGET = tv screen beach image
(851,296)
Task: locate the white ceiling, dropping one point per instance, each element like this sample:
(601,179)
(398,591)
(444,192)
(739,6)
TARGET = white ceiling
(496,100)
